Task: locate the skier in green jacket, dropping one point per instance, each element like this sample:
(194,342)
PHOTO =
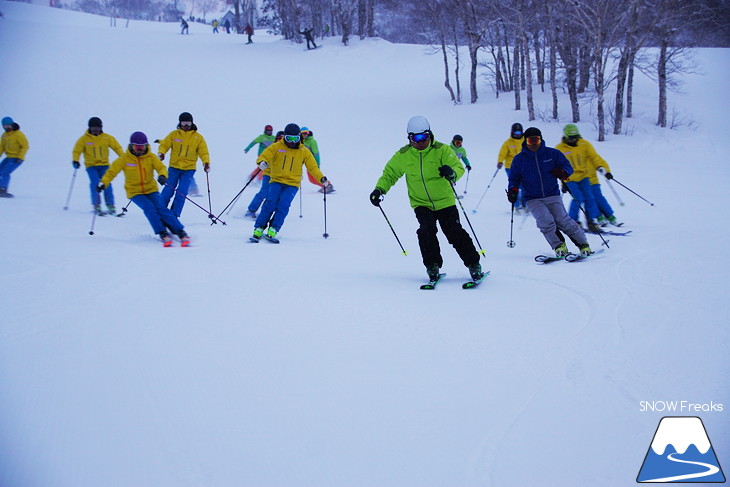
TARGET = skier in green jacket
(430,168)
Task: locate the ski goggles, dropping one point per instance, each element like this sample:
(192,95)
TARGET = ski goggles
(534,140)
(457,143)
(517,134)
(420,137)
(292,139)
(186,124)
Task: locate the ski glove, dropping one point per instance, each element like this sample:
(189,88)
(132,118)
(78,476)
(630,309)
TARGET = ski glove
(468,167)
(100,187)
(609,176)
(263,165)
(512,195)
(162,179)
(76,164)
(559,173)
(499,165)
(323,180)
(206,167)
(447,172)
(563,187)
(161,156)
(376,197)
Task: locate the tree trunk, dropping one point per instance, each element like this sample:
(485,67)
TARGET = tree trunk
(662,80)
(447,83)
(516,76)
(528,79)
(618,109)
(553,73)
(630,88)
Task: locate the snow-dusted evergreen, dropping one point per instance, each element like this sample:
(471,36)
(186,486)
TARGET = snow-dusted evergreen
(319,361)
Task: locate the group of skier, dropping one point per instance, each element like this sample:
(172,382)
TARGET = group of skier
(534,170)
(431,169)
(279,184)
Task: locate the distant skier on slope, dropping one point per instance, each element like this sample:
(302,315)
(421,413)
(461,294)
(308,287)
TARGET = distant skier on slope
(537,169)
(139,164)
(307,33)
(430,168)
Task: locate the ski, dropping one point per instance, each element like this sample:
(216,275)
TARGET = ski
(474,282)
(546,259)
(167,242)
(254,239)
(579,257)
(432,283)
(271,239)
(185,242)
(611,233)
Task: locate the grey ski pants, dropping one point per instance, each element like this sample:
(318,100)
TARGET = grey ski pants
(550,215)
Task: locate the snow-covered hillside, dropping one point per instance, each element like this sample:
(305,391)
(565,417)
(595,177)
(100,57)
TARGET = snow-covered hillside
(319,361)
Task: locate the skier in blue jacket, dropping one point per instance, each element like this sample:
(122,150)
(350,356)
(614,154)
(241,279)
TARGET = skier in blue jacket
(537,169)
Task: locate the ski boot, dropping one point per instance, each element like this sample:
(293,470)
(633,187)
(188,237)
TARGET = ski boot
(250,214)
(111,210)
(184,238)
(4,193)
(475,271)
(257,233)
(585,250)
(166,239)
(561,250)
(433,272)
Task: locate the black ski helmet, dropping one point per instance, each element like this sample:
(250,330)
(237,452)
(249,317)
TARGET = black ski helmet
(94,122)
(185,117)
(458,137)
(516,130)
(292,129)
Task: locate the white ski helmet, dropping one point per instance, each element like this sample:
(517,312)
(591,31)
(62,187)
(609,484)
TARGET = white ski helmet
(418,124)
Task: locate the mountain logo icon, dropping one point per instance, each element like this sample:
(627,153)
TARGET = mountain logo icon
(680,452)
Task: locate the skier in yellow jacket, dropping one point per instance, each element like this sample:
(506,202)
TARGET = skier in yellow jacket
(95,145)
(139,165)
(284,159)
(584,159)
(510,148)
(186,145)
(14,145)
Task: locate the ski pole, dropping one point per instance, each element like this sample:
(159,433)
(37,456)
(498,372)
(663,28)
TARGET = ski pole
(70,189)
(588,219)
(258,170)
(93,222)
(124,210)
(207,181)
(213,218)
(511,243)
(325,234)
(468,173)
(615,193)
(481,250)
(300,199)
(637,194)
(485,191)
(392,230)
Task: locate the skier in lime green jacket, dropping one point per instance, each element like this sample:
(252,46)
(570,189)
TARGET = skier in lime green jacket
(430,168)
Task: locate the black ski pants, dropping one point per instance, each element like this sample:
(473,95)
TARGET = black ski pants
(448,220)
